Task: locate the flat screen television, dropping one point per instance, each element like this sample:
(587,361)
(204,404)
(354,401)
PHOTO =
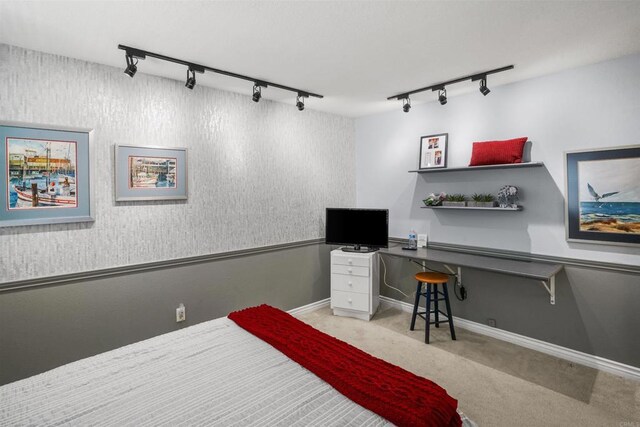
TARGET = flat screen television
(364,230)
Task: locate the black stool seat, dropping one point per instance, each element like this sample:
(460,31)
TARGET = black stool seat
(432,279)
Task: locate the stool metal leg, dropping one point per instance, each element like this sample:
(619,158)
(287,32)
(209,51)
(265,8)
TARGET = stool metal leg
(446,300)
(415,306)
(435,302)
(427,315)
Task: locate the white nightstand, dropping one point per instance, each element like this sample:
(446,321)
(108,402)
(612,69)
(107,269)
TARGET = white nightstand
(355,287)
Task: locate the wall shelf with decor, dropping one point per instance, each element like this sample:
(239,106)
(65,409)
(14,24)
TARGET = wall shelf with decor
(473,208)
(484,167)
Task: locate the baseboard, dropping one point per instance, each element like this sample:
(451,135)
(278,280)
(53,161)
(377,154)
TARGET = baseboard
(310,307)
(596,362)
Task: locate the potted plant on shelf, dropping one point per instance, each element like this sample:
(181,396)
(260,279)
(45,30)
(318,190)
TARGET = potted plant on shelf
(482,201)
(434,199)
(455,200)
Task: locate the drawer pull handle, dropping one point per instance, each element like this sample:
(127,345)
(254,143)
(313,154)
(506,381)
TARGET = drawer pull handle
(350,284)
(349,270)
(350,301)
(350,261)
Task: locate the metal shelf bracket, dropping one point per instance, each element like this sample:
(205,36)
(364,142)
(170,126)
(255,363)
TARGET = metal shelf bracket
(551,288)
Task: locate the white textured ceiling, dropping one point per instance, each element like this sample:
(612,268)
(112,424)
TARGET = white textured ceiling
(355,53)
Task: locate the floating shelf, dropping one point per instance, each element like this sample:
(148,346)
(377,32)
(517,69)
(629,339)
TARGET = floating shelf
(473,208)
(484,167)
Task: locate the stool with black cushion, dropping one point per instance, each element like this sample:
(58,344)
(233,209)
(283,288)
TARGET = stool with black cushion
(432,279)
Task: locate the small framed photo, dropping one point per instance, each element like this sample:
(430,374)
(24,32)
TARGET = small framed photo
(433,151)
(150,173)
(45,176)
(603,197)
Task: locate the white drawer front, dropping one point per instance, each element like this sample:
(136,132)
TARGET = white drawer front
(348,260)
(349,300)
(350,270)
(348,283)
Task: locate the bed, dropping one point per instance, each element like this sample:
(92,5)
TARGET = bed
(213,373)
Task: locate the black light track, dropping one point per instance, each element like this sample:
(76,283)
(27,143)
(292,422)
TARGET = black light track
(441,86)
(199,68)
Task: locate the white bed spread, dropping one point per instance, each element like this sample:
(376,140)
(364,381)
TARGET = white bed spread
(214,373)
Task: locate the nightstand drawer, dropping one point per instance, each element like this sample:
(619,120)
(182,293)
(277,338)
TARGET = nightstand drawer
(350,270)
(349,300)
(347,283)
(348,260)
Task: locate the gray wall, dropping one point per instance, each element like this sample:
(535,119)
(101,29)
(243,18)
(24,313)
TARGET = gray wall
(259,174)
(590,107)
(596,311)
(46,327)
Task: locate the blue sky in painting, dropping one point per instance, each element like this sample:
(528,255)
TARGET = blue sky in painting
(607,176)
(59,149)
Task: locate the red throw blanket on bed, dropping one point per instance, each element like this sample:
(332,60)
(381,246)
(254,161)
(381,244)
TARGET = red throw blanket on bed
(399,396)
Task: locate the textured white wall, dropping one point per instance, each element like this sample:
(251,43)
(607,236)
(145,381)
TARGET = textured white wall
(589,107)
(259,174)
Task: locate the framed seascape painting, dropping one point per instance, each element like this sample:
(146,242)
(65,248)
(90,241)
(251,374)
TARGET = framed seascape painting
(45,175)
(433,151)
(603,196)
(150,173)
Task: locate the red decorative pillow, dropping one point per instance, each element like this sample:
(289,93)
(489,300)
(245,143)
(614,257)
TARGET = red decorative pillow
(497,152)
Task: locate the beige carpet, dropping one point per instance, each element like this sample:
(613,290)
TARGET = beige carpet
(496,383)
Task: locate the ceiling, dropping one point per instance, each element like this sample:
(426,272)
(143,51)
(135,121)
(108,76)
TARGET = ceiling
(355,53)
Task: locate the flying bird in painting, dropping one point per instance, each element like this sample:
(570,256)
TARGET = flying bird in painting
(597,196)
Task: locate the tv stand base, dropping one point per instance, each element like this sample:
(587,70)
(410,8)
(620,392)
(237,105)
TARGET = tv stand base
(358,249)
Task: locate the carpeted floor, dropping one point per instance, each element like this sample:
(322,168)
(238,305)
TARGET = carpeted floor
(496,383)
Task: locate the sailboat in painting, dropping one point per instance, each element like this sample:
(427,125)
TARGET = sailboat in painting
(49,166)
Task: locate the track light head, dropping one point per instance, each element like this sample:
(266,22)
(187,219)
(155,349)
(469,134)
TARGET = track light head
(257,93)
(131,66)
(442,96)
(483,87)
(191,79)
(406,104)
(300,101)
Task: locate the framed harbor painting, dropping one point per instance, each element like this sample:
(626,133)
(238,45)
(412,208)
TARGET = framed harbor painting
(45,175)
(433,151)
(150,173)
(603,196)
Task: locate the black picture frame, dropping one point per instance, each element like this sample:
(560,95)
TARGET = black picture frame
(433,151)
(602,196)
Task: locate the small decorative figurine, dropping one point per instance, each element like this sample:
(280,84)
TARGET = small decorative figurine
(508,197)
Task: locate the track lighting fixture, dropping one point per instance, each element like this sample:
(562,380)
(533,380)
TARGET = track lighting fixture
(483,87)
(442,92)
(300,101)
(406,104)
(257,93)
(131,69)
(442,96)
(191,79)
(131,55)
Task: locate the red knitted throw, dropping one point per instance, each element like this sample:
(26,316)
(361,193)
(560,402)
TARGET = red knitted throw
(399,396)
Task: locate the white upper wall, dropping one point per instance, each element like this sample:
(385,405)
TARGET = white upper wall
(259,174)
(590,107)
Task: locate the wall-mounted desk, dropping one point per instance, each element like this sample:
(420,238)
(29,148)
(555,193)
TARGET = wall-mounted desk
(542,271)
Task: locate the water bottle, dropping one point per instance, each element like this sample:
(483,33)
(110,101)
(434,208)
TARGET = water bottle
(413,240)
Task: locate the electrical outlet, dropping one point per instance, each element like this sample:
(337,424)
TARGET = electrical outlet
(181,313)
(491,322)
